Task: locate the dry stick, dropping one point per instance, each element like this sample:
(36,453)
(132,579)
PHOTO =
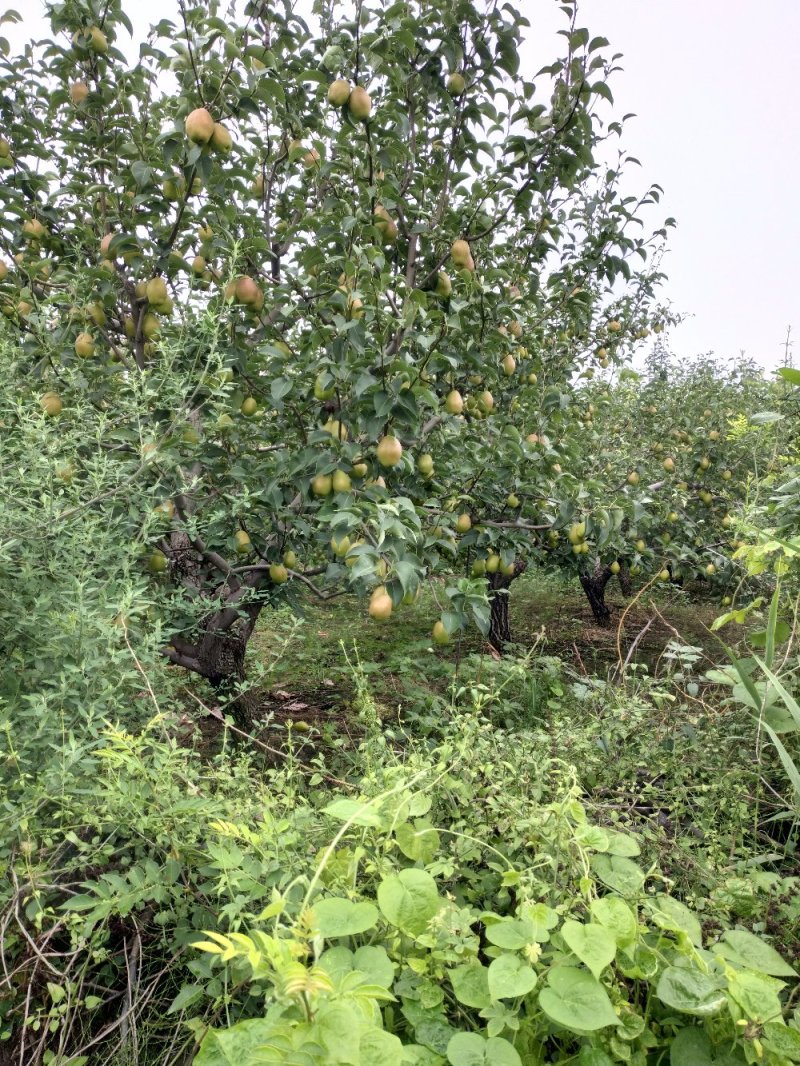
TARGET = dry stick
(635,642)
(630,606)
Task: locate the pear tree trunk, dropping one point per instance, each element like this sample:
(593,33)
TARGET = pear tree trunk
(499,624)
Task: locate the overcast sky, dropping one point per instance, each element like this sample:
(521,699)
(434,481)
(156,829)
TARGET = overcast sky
(713,85)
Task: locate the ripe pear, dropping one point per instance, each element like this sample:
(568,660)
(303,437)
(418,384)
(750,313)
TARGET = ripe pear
(221,140)
(640,545)
(384,222)
(615,567)
(322,485)
(633,478)
(576,533)
(727,475)
(380,604)
(341,481)
(339,92)
(199,126)
(704,463)
(509,365)
(33,229)
(278,574)
(389,451)
(359,470)
(78,93)
(425,464)
(97,40)
(711,569)
(456,84)
(614,326)
(3,271)
(515,328)
(663,575)
(444,286)
(290,559)
(311,159)
(199,265)
(50,403)
(205,234)
(454,403)
(84,345)
(157,562)
(150,325)
(669,464)
(336,429)
(492,564)
(243,544)
(439,633)
(156,291)
(486,401)
(479,568)
(249,406)
(359,104)
(95,313)
(512,501)
(355,308)
(341,546)
(463,523)
(248,292)
(460,253)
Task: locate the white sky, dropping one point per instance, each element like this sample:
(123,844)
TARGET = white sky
(713,85)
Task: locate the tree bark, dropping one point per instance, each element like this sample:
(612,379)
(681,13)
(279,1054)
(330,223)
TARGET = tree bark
(499,624)
(624,578)
(215,648)
(594,585)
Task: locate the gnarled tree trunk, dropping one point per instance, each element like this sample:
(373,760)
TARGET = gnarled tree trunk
(594,585)
(499,625)
(216,648)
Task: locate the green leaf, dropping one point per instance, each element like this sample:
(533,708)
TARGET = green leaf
(381,1047)
(188,995)
(781,1040)
(690,991)
(334,917)
(576,1000)
(756,994)
(409,900)
(234,1046)
(511,933)
(418,841)
(615,914)
(354,812)
(619,873)
(669,913)
(542,919)
(745,949)
(622,844)
(470,1049)
(594,945)
(789,374)
(693,1047)
(510,976)
(471,984)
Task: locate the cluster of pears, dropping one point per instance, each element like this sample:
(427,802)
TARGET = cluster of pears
(357,100)
(576,535)
(202,129)
(246,291)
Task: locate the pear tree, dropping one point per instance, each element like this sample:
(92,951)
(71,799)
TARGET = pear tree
(328,287)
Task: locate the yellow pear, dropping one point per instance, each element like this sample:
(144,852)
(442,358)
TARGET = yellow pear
(389,451)
(359,104)
(439,633)
(278,574)
(221,140)
(454,403)
(199,126)
(380,604)
(50,403)
(322,485)
(339,92)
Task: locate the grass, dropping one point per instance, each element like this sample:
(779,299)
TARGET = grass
(309,656)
